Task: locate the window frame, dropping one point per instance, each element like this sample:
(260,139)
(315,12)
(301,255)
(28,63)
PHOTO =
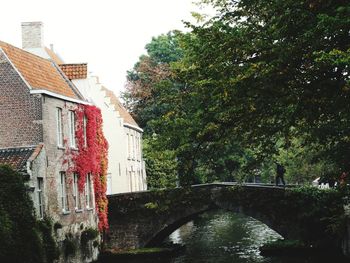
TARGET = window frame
(59,127)
(129,145)
(63,193)
(84,130)
(72,129)
(76,195)
(132,146)
(40,184)
(89,204)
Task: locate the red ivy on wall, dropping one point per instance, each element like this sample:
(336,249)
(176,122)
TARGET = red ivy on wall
(92,158)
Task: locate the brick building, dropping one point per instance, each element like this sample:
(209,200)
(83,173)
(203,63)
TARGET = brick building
(37,103)
(126,171)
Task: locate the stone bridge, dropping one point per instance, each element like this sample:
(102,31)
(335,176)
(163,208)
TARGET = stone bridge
(144,219)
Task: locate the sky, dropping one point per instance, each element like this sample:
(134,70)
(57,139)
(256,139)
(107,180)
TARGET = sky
(110,35)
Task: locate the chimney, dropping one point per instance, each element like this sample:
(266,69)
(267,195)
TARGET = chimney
(32,35)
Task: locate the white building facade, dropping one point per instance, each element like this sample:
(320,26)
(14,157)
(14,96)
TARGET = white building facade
(126,169)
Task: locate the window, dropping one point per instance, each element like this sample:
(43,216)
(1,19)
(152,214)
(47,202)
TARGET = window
(84,127)
(40,198)
(138,148)
(59,127)
(139,180)
(130,177)
(133,146)
(88,192)
(129,146)
(63,192)
(109,184)
(136,188)
(72,129)
(139,152)
(76,195)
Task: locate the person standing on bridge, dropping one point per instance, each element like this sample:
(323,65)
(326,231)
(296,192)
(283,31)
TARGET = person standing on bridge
(280,171)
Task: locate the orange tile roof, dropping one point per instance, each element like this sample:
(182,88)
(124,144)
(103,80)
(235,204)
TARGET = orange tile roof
(119,107)
(75,71)
(40,73)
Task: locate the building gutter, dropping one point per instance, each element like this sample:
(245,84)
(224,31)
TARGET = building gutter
(133,127)
(58,96)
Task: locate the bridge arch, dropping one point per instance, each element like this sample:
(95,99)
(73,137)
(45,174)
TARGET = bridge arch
(158,237)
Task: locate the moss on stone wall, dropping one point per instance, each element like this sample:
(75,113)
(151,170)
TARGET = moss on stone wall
(158,202)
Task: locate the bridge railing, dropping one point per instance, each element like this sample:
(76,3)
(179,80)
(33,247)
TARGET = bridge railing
(210,185)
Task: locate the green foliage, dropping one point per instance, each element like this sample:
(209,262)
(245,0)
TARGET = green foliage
(95,243)
(160,202)
(48,243)
(57,226)
(150,83)
(165,48)
(151,78)
(69,247)
(262,81)
(160,165)
(151,205)
(284,244)
(272,70)
(88,235)
(310,214)
(18,226)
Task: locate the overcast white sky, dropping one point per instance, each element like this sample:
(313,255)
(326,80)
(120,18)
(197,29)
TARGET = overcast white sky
(109,35)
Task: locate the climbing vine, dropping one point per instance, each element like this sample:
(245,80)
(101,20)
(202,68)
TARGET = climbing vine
(92,157)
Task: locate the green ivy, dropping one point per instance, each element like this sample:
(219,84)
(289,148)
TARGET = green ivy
(87,235)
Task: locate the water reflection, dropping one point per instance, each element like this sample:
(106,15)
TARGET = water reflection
(181,234)
(221,236)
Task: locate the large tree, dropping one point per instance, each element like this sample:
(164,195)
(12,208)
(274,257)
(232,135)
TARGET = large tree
(262,80)
(267,70)
(150,76)
(149,95)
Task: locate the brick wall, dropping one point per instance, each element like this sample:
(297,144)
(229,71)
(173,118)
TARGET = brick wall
(20,112)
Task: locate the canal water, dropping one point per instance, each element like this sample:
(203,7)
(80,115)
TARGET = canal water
(223,237)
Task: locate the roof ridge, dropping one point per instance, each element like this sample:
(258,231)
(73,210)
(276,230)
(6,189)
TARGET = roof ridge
(81,63)
(18,148)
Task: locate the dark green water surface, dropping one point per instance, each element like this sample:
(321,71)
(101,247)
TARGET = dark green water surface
(222,237)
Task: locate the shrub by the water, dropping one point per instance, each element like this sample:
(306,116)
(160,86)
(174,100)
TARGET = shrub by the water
(21,237)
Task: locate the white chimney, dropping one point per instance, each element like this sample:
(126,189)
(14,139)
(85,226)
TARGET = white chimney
(32,35)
